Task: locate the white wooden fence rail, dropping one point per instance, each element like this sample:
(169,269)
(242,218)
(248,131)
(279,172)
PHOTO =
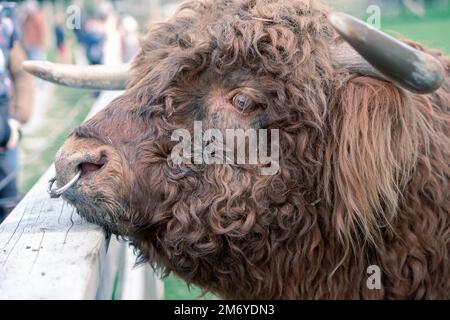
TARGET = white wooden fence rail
(48,252)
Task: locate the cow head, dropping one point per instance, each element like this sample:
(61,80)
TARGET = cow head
(235,65)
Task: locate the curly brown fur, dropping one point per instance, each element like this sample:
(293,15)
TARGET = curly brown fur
(365,166)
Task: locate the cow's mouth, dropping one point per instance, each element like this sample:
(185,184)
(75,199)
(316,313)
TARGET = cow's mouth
(90,168)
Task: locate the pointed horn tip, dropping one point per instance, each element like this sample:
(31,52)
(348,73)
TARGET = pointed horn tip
(35,67)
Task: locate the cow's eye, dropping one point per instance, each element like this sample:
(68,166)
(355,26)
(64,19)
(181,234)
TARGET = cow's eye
(243,103)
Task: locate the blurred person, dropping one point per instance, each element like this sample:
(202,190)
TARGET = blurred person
(113,40)
(15,106)
(92,38)
(60,39)
(130,38)
(33,30)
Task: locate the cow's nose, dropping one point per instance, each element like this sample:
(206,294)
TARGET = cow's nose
(72,160)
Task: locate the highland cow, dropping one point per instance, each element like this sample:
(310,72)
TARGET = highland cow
(364,174)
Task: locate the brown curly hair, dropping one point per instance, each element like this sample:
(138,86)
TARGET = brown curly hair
(364,173)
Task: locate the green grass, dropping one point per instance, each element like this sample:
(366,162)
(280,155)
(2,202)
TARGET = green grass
(176,289)
(434,33)
(432,30)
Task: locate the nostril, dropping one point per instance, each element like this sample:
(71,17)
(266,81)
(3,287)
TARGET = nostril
(88,168)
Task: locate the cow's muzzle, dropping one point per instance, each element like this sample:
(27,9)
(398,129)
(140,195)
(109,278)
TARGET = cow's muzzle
(84,169)
(74,165)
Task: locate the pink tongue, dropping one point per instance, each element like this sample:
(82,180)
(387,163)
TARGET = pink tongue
(88,167)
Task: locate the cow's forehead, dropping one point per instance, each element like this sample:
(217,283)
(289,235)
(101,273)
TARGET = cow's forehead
(227,35)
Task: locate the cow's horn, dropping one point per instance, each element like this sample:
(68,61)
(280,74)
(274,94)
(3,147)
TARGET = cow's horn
(396,61)
(98,77)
